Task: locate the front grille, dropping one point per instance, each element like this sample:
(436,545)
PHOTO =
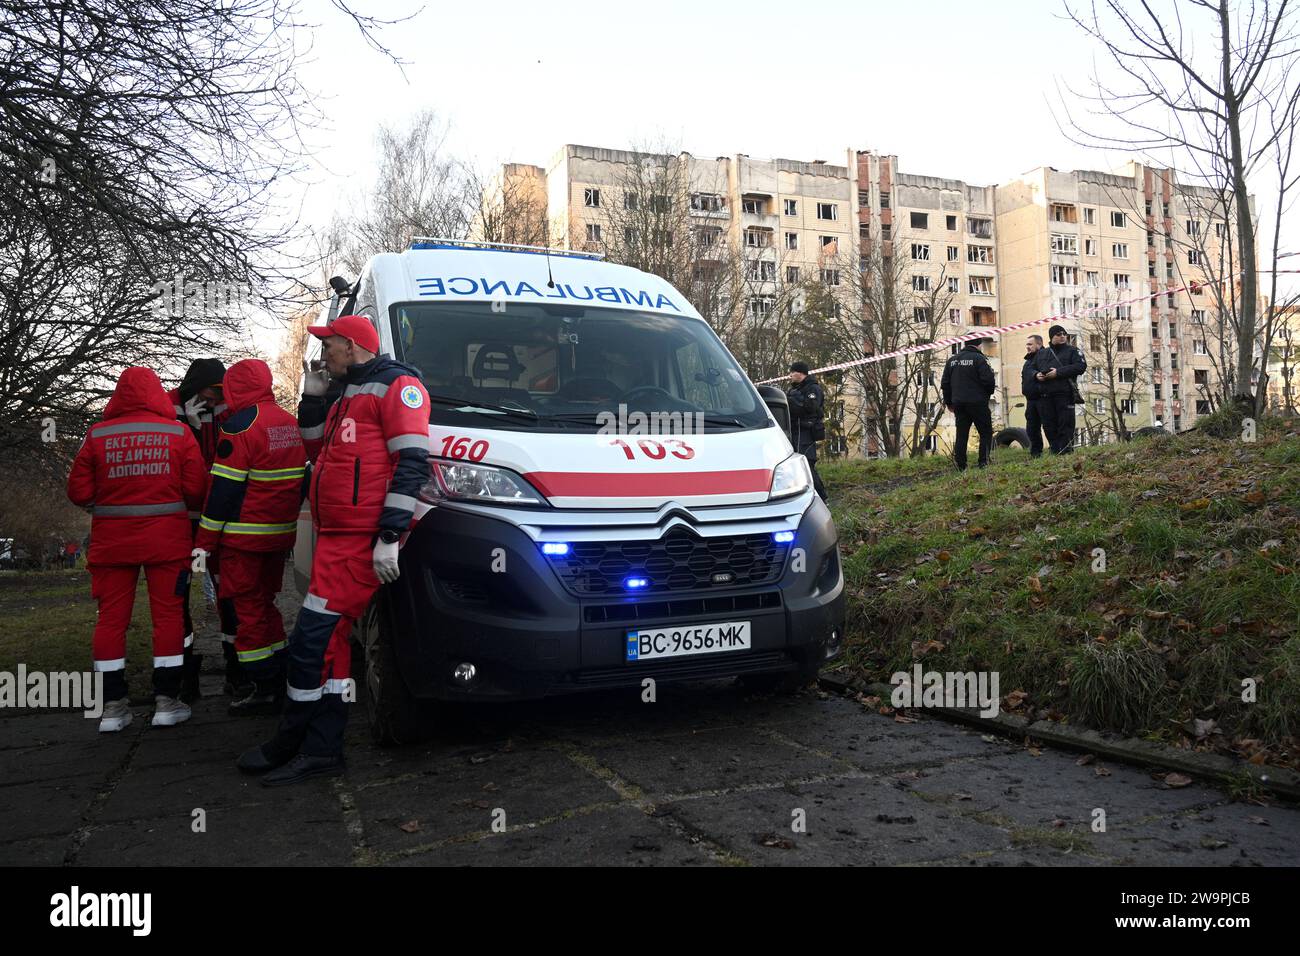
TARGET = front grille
(680,609)
(681,561)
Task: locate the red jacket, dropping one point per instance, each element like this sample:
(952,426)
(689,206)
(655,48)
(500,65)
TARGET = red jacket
(257,477)
(142,472)
(370,450)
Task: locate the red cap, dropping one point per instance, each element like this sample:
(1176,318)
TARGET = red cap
(354,327)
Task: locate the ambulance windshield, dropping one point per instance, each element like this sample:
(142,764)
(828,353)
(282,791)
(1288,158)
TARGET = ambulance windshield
(542,367)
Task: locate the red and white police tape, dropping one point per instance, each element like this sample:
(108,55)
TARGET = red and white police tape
(1001,329)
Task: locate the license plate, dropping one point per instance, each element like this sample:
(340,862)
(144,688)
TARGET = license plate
(691,639)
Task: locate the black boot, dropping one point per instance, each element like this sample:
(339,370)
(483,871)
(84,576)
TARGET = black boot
(238,684)
(265,697)
(303,767)
(190,692)
(265,757)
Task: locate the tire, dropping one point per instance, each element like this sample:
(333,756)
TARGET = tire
(393,713)
(1008,435)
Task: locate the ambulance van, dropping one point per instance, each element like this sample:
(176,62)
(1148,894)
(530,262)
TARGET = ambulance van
(609,499)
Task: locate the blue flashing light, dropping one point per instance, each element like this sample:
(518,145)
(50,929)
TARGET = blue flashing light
(633,584)
(783,537)
(555,549)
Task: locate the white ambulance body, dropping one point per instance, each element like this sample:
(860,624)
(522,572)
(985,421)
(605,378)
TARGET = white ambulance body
(610,498)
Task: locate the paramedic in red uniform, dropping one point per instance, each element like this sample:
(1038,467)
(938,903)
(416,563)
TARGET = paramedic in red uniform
(370,455)
(140,472)
(198,403)
(249,522)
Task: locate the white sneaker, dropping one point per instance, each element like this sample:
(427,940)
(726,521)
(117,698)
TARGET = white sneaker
(168,711)
(116,716)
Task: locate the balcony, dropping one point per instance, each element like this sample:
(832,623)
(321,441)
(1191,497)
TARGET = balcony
(723,213)
(760,220)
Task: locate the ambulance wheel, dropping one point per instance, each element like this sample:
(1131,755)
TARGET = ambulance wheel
(393,713)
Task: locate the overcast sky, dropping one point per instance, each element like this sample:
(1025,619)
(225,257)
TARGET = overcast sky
(955,89)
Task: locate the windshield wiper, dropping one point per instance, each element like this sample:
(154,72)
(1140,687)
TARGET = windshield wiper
(472,405)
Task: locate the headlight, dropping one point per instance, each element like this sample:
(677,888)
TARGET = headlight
(466,482)
(791,477)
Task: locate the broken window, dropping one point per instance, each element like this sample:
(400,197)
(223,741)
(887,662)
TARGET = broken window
(921,251)
(1119,250)
(951,223)
(591,197)
(981,285)
(920,283)
(920,220)
(1062,212)
(828,210)
(1124,343)
(791,207)
(1064,243)
(981,228)
(980,254)
(792,240)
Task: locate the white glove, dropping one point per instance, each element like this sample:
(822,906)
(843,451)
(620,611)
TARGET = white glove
(384,559)
(194,408)
(314,381)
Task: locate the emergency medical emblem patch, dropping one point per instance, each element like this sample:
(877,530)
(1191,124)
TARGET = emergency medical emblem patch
(411,397)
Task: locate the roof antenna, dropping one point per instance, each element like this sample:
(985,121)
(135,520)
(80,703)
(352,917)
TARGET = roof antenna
(550,282)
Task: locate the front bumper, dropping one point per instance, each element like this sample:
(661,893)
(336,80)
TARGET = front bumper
(478,590)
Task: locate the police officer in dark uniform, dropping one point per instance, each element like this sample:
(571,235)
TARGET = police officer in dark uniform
(807,410)
(967,384)
(1032,389)
(1058,365)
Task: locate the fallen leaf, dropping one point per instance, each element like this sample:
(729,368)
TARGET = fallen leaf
(410,826)
(1086,759)
(1036,585)
(1156,615)
(944,556)
(1177,780)
(1101,771)
(1258,821)
(772,840)
(900,719)
(1200,504)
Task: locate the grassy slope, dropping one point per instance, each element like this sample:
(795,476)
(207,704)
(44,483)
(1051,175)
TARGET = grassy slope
(992,570)
(47,618)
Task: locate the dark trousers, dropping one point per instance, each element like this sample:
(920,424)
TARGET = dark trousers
(978,414)
(1056,409)
(809,451)
(1034,426)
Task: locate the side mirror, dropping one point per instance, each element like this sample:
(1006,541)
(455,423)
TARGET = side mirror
(777,404)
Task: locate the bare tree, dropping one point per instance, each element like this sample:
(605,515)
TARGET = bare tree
(895,301)
(141,144)
(1119,373)
(419,190)
(1205,108)
(509,207)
